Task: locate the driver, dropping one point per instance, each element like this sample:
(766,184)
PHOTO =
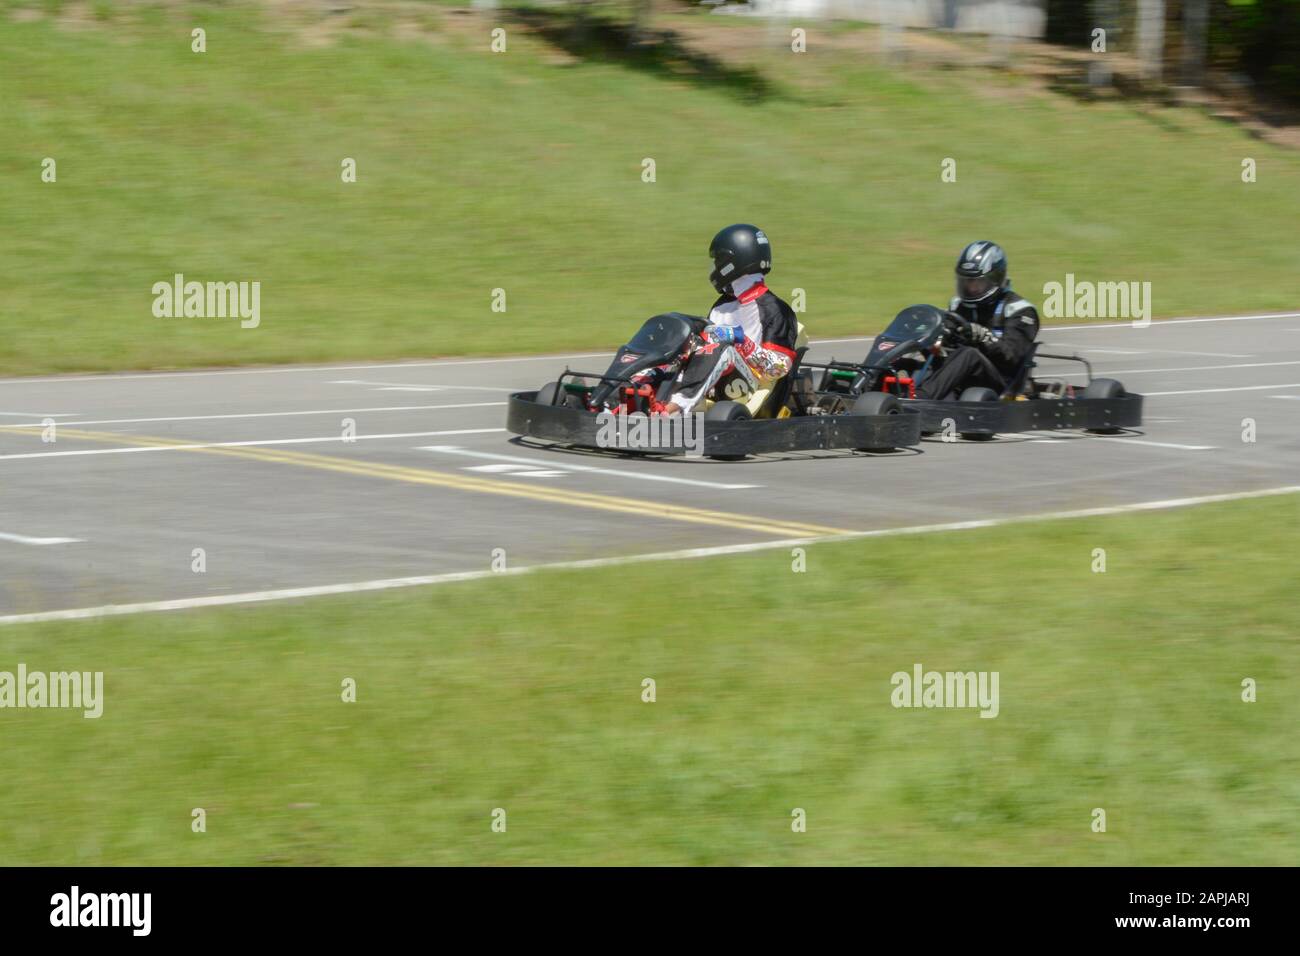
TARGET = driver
(1003,326)
(749,336)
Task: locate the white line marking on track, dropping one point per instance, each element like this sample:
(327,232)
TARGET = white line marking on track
(24,539)
(1116,325)
(1156,444)
(519,471)
(241,444)
(1185,368)
(354,587)
(279,369)
(1207,391)
(572,466)
(1206,354)
(1125,439)
(1191,321)
(276,370)
(407,387)
(1067,345)
(1093,349)
(313,411)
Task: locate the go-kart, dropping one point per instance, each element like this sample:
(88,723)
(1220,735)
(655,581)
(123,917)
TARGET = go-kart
(920,339)
(619,409)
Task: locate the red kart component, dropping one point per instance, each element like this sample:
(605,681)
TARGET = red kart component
(889,381)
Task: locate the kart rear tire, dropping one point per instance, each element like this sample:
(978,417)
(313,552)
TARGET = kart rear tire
(876,403)
(977,395)
(727,412)
(1104,388)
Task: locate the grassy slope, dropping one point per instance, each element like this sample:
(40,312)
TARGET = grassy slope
(480,171)
(1118,690)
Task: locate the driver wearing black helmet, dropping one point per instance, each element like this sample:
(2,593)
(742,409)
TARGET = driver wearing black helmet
(1002,326)
(749,336)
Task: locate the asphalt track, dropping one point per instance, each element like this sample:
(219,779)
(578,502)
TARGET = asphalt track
(251,466)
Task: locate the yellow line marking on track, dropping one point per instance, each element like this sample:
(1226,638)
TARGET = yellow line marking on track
(427,476)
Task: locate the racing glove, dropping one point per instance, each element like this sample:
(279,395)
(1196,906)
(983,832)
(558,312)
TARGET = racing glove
(980,334)
(725,334)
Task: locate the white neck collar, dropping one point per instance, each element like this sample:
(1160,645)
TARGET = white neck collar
(745,283)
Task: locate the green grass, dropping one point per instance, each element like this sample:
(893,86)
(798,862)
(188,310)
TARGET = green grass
(1118,690)
(480,171)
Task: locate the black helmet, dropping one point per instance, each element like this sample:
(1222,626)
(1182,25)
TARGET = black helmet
(981,272)
(737,251)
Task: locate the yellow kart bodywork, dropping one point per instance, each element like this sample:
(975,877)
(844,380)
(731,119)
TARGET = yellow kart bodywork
(757,400)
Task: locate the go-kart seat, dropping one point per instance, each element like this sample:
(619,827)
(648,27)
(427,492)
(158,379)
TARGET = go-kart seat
(1016,384)
(767,402)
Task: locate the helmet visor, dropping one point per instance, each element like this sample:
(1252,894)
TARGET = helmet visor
(974,288)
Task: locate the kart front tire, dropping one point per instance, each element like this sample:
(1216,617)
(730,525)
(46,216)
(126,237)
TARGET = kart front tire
(876,403)
(546,395)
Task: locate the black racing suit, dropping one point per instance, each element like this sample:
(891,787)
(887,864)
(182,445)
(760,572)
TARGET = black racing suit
(1014,324)
(737,371)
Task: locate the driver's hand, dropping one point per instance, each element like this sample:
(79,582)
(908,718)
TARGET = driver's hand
(980,334)
(725,334)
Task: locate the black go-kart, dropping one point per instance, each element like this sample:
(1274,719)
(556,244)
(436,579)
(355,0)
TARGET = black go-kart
(921,338)
(619,409)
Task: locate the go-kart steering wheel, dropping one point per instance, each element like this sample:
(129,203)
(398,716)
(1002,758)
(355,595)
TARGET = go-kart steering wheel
(960,325)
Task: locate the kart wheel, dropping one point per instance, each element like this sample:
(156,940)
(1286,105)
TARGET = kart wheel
(727,412)
(546,395)
(876,403)
(1104,388)
(977,395)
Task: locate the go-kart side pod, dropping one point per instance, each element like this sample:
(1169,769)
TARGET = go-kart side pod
(983,418)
